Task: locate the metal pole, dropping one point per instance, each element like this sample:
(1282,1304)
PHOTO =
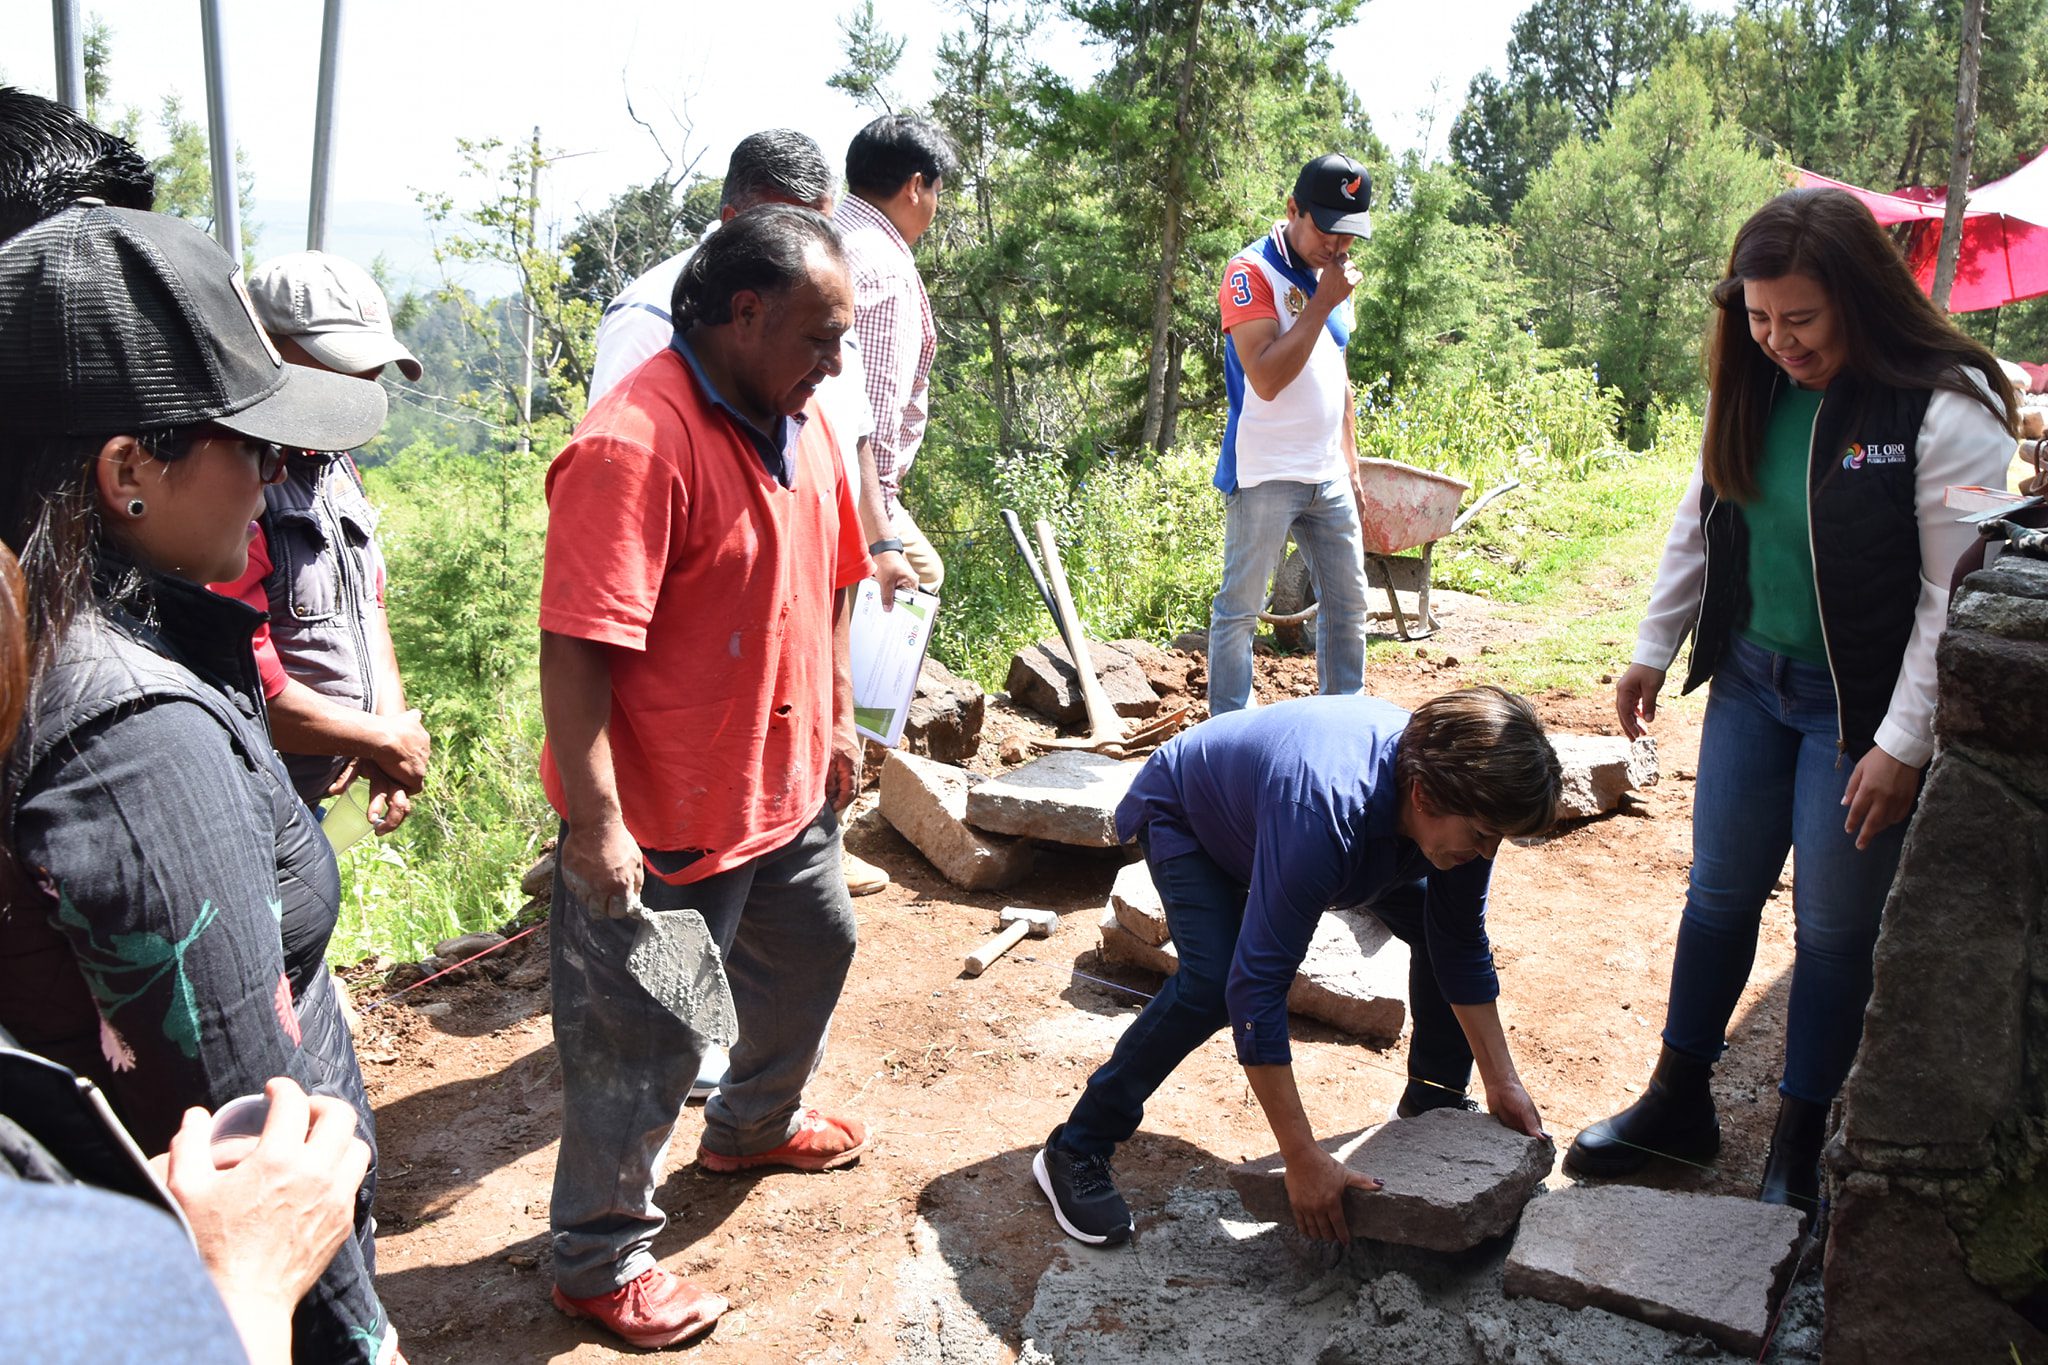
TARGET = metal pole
(323,127)
(70,53)
(227,224)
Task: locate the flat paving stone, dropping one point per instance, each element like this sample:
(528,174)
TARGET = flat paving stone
(1707,1263)
(1066,797)
(1453,1179)
(926,802)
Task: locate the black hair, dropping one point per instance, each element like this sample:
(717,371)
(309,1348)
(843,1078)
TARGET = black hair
(886,153)
(50,158)
(778,163)
(1890,330)
(765,250)
(49,514)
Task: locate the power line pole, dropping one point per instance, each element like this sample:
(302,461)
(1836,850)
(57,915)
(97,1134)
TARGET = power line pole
(1965,149)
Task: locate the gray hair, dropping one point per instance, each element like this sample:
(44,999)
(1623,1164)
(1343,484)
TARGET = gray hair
(779,163)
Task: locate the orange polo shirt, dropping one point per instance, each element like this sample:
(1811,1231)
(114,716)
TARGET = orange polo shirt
(670,541)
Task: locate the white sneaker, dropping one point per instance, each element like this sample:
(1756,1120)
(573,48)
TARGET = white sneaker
(710,1073)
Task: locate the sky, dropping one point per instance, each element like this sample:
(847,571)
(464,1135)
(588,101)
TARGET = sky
(417,76)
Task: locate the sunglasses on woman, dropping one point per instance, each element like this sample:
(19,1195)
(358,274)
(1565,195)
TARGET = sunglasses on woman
(177,443)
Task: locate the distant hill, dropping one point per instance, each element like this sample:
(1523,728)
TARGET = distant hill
(362,230)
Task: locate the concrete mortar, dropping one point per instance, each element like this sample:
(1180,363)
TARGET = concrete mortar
(1204,1283)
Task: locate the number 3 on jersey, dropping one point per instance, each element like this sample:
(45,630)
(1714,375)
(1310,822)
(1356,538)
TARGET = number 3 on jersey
(1240,288)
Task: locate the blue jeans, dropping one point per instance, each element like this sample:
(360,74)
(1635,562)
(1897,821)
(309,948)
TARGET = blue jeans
(1205,912)
(1256,523)
(1771,779)
(785,928)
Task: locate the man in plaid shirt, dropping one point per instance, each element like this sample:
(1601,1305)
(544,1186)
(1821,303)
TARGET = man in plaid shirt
(895,168)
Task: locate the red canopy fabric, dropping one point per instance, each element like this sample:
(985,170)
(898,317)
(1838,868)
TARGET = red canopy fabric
(2004,259)
(2004,256)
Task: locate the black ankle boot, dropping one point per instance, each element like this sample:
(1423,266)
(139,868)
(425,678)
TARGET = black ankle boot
(1675,1117)
(1792,1172)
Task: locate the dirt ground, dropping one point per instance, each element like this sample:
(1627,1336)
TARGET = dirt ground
(960,1079)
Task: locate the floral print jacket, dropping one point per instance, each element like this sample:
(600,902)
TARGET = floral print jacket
(173,898)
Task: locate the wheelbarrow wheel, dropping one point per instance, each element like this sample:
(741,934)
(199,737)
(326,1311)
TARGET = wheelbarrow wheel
(1293,592)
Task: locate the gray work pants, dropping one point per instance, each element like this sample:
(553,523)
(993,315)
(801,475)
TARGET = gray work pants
(786,929)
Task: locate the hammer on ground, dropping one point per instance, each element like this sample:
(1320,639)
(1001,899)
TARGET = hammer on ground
(1017,922)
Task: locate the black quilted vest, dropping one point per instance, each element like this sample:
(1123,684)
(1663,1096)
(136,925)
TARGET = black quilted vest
(1865,530)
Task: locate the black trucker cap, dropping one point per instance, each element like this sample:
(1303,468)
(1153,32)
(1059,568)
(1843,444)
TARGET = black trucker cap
(115,320)
(1337,192)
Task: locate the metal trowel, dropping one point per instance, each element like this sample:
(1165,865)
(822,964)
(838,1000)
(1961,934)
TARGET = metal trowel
(675,960)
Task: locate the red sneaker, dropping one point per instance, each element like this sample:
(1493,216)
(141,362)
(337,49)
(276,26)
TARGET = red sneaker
(657,1309)
(819,1144)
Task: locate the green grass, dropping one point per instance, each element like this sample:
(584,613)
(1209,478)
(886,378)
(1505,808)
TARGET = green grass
(1575,557)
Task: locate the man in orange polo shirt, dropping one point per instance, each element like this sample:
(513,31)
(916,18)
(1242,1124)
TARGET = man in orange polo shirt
(702,547)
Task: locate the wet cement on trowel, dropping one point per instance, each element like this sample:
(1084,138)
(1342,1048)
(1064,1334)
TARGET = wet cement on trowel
(1204,1283)
(675,960)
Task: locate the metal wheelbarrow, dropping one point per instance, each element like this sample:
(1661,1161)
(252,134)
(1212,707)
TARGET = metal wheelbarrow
(1406,508)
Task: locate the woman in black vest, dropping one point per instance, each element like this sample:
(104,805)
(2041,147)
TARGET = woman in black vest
(169,899)
(1809,562)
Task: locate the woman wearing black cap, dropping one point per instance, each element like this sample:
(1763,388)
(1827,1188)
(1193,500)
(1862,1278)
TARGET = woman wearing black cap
(170,900)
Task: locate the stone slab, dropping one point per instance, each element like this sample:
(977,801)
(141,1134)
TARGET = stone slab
(1598,770)
(1355,977)
(1126,949)
(1043,677)
(1707,1263)
(945,715)
(1994,703)
(1453,1179)
(1136,903)
(926,802)
(1066,797)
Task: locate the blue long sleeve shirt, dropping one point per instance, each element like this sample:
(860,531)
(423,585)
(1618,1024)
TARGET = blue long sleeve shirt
(1298,801)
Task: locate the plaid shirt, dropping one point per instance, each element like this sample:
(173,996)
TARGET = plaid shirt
(892,316)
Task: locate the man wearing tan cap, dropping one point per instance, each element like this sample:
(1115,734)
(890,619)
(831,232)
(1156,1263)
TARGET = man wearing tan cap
(330,674)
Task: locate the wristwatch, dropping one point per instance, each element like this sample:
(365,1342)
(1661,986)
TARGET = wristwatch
(885,545)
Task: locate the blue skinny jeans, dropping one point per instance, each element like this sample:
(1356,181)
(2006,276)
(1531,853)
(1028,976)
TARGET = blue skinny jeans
(1771,779)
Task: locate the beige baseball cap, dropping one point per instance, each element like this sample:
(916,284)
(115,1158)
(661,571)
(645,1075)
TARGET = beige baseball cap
(332,308)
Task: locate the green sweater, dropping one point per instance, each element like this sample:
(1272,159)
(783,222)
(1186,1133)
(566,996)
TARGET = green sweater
(1784,611)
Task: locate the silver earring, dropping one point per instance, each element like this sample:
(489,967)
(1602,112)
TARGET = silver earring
(135,507)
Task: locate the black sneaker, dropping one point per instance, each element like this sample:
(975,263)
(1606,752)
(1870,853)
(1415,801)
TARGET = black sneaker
(1082,1193)
(1421,1097)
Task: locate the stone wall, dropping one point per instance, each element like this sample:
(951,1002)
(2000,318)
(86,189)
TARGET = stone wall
(1938,1246)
